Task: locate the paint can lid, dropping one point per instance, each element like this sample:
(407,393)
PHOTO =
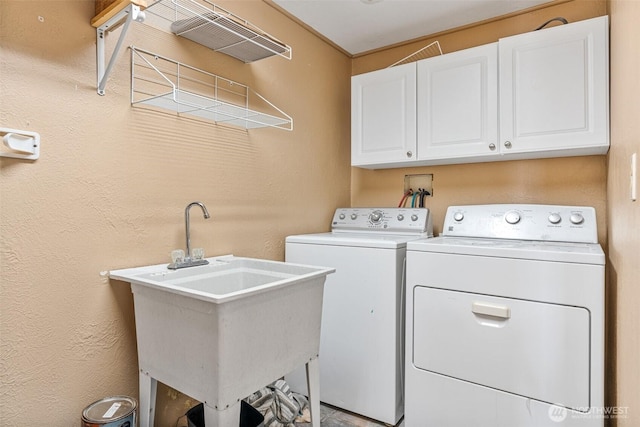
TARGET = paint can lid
(109,409)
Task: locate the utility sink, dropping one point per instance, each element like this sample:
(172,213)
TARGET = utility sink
(224,279)
(221,331)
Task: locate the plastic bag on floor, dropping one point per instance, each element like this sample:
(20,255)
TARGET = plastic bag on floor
(277,403)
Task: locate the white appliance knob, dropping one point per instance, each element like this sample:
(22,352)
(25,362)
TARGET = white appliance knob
(555,218)
(576,218)
(414,217)
(400,217)
(342,216)
(512,217)
(458,216)
(354,216)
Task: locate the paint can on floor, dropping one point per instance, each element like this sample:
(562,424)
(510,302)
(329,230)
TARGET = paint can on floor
(115,411)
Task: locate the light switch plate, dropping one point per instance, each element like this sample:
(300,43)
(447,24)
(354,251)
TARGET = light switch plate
(634,177)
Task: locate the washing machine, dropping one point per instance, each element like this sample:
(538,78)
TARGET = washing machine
(362,338)
(505,319)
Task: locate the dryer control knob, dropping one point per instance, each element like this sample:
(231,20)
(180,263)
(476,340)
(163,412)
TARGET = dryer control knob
(458,216)
(414,217)
(512,217)
(400,217)
(576,218)
(354,216)
(555,218)
(342,216)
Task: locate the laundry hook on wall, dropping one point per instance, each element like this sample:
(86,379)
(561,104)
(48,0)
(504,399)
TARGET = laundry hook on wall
(21,144)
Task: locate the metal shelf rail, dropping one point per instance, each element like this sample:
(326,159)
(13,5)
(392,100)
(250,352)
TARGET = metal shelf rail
(210,25)
(158,82)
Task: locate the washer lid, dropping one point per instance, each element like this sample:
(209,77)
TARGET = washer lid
(580,253)
(363,240)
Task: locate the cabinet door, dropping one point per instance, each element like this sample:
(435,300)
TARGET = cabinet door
(383,116)
(554,90)
(458,105)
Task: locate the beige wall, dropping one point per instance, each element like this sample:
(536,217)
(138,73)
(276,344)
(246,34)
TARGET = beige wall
(112,182)
(624,215)
(110,189)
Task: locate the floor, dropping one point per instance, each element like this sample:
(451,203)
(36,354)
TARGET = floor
(333,417)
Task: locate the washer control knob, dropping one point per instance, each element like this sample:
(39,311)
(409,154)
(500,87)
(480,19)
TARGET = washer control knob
(375,216)
(555,218)
(414,217)
(400,217)
(512,217)
(354,216)
(458,216)
(576,218)
(341,216)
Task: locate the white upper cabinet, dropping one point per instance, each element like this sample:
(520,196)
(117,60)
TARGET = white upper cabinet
(383,116)
(554,90)
(458,105)
(540,94)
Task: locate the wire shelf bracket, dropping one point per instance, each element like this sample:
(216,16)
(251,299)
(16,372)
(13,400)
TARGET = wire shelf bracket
(123,17)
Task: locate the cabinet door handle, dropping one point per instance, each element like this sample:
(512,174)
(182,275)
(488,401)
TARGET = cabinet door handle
(492,146)
(492,310)
(507,144)
(409,154)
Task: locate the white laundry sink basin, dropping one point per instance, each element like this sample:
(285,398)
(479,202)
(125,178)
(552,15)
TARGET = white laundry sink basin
(221,331)
(224,279)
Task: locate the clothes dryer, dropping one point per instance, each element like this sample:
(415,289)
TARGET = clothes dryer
(505,319)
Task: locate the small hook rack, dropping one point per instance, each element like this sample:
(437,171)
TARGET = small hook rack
(22,144)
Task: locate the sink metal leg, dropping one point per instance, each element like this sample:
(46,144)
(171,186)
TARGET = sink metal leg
(313,385)
(148,391)
(215,418)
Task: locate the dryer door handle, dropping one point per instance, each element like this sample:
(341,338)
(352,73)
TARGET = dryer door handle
(493,310)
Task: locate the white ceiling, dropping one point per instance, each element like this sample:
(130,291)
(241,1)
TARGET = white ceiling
(359,26)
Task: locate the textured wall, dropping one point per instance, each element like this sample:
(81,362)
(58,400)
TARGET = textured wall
(624,215)
(110,188)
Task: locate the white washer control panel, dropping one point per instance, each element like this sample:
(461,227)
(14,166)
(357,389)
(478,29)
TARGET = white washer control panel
(576,224)
(389,220)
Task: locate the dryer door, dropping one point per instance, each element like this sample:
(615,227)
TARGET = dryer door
(533,349)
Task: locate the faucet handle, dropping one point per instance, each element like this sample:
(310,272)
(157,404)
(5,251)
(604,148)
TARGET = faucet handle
(197,254)
(177,256)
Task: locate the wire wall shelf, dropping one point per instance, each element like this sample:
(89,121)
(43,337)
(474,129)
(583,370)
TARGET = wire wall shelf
(197,20)
(216,28)
(162,83)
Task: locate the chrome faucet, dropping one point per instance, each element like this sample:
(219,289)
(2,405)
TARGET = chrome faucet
(188,260)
